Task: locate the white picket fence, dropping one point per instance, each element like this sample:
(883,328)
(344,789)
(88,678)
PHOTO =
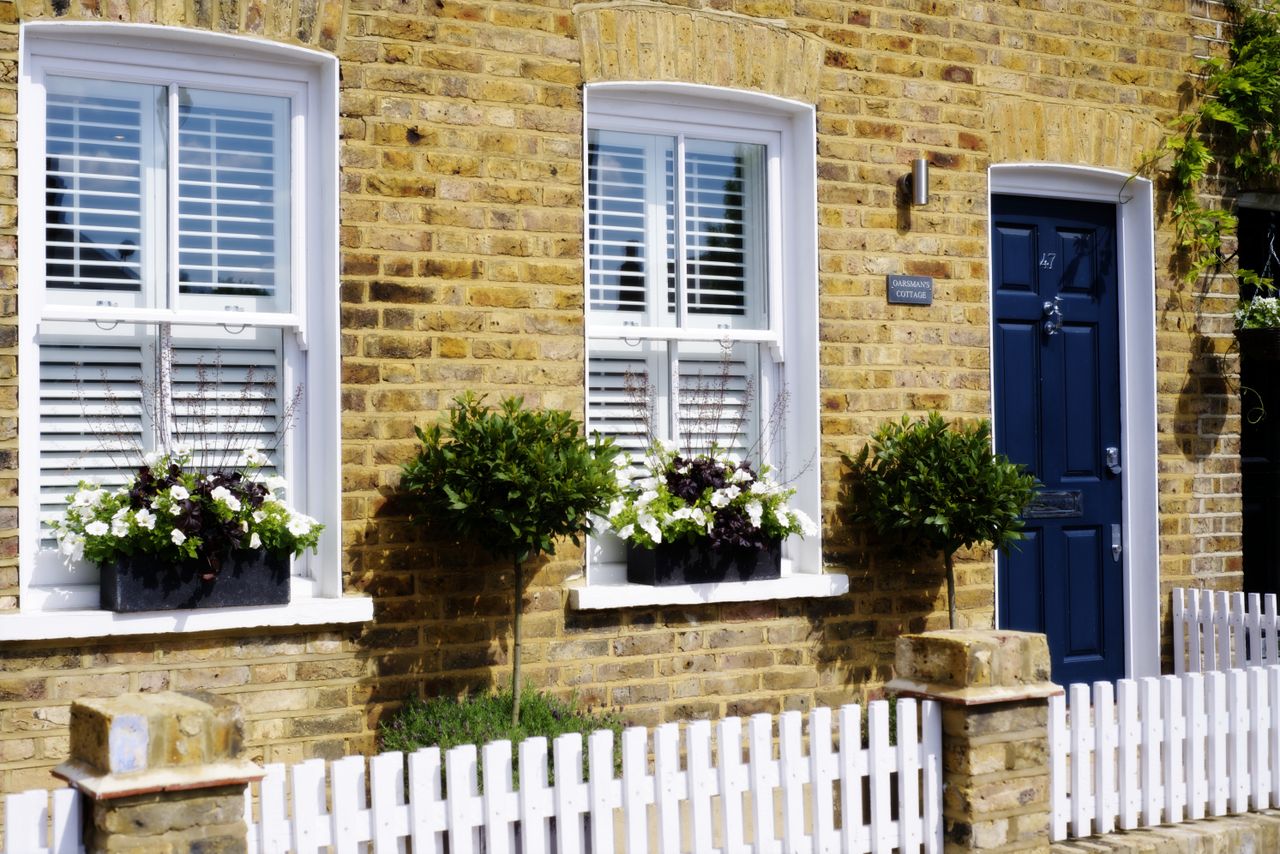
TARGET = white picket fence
(1164,750)
(836,794)
(1216,630)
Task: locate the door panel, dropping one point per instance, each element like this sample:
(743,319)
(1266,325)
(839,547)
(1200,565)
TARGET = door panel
(1057,411)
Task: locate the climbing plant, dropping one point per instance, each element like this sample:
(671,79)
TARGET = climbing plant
(1230,133)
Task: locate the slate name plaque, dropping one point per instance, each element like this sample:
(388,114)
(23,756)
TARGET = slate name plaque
(911,290)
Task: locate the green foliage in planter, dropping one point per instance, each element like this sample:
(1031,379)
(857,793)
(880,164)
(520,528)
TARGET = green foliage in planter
(478,719)
(1231,132)
(936,487)
(512,480)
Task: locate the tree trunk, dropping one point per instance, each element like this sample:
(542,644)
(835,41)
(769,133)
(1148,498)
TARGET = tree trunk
(515,646)
(951,588)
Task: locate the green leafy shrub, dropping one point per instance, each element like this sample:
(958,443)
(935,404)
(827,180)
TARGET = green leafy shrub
(936,487)
(478,719)
(512,480)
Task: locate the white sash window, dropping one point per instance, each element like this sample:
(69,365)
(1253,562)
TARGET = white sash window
(701,286)
(177,193)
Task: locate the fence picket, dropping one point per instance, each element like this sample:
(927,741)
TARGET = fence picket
(1106,802)
(764,778)
(733,782)
(1271,631)
(1236,633)
(880,758)
(908,778)
(465,807)
(702,784)
(823,771)
(931,725)
(1273,741)
(427,818)
(1175,730)
(666,771)
(349,816)
(1059,750)
(793,774)
(311,828)
(501,804)
(1127,774)
(1259,732)
(26,837)
(1222,629)
(1216,753)
(1194,764)
(390,815)
(606,790)
(571,796)
(1253,630)
(1149,712)
(537,803)
(853,770)
(1181,630)
(1238,746)
(1081,796)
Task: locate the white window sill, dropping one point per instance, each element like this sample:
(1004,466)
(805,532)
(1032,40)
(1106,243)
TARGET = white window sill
(50,625)
(800,585)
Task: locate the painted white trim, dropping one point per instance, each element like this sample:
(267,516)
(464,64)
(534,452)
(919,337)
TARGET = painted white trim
(1135,209)
(801,585)
(100,624)
(166,55)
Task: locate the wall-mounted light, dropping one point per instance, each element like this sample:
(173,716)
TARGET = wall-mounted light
(915,185)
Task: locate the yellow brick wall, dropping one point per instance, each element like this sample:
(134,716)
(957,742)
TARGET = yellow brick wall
(461,232)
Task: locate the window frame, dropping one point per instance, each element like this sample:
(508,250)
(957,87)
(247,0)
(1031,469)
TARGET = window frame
(163,55)
(791,303)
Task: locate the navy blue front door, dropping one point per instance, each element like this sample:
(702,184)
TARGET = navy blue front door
(1057,411)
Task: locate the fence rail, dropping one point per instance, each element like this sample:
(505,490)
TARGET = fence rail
(1216,630)
(682,788)
(1164,750)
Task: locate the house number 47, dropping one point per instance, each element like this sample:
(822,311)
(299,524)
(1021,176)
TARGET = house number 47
(1047,259)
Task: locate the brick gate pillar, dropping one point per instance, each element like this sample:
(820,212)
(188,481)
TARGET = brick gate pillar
(994,688)
(163,771)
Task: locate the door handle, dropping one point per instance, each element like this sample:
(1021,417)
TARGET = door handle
(1053,315)
(1112,459)
(1117,544)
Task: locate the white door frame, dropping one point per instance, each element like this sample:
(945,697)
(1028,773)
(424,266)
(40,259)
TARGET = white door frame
(1135,245)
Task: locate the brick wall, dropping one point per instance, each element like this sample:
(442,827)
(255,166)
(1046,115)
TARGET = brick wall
(461,231)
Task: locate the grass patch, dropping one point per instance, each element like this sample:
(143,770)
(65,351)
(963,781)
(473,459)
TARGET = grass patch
(478,719)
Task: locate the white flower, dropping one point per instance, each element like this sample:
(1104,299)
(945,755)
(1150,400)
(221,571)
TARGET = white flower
(178,537)
(71,547)
(252,456)
(783,517)
(255,542)
(668,446)
(740,476)
(722,497)
(121,513)
(650,526)
(145,519)
(96,528)
(621,477)
(758,488)
(626,531)
(300,525)
(616,507)
(276,483)
(87,497)
(807,526)
(181,450)
(152,457)
(645,498)
(258,516)
(223,496)
(754,512)
(244,526)
(178,492)
(119,528)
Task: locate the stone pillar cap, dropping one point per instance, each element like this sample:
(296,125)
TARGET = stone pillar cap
(974,666)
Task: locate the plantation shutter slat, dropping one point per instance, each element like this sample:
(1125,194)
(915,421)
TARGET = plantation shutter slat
(93,424)
(232,225)
(617,222)
(612,410)
(718,401)
(96,152)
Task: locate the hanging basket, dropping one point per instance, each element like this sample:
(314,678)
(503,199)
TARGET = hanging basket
(1259,345)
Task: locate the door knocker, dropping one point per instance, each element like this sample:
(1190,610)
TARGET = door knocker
(1053,316)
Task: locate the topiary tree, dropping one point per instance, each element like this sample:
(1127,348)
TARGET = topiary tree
(937,487)
(512,480)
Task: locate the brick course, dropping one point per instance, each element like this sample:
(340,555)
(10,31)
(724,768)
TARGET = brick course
(462,242)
